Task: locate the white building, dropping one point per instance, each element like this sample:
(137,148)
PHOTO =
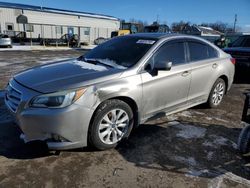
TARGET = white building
(49,23)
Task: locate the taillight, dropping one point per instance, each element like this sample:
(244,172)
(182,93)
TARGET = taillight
(233,60)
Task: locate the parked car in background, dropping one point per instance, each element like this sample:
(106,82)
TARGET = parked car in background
(64,40)
(5,41)
(100,97)
(100,40)
(240,50)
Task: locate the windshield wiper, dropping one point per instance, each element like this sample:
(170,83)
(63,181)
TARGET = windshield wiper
(94,61)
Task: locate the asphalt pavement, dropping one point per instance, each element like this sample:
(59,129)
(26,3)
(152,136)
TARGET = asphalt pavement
(193,148)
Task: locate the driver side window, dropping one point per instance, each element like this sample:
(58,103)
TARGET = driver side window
(169,52)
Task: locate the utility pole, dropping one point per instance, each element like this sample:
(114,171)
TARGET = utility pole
(157,18)
(41,4)
(235,21)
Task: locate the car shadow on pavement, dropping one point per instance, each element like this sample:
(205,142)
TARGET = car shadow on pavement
(187,148)
(11,146)
(242,75)
(201,150)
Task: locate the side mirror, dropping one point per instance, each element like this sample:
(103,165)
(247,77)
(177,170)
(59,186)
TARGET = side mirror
(164,66)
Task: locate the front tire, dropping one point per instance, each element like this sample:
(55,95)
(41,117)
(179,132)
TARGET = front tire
(217,93)
(112,122)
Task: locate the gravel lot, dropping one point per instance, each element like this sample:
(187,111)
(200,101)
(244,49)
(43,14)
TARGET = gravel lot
(194,148)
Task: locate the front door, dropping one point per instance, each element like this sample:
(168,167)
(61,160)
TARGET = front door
(70,31)
(85,34)
(168,90)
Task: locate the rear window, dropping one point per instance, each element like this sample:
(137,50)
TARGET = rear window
(247,42)
(242,41)
(199,51)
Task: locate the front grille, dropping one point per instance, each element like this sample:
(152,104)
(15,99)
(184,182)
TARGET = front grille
(12,98)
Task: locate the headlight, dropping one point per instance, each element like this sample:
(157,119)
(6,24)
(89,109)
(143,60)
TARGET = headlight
(57,100)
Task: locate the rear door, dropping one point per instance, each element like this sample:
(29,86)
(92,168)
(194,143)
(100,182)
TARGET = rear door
(204,61)
(166,90)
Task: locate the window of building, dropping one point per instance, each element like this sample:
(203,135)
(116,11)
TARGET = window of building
(86,30)
(59,30)
(29,28)
(10,27)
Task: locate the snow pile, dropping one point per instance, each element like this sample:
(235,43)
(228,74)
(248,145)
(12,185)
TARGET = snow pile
(218,141)
(190,131)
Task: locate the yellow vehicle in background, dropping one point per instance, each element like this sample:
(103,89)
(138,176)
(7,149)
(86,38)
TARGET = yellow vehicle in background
(126,29)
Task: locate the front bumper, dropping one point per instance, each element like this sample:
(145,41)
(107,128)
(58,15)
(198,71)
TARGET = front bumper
(64,128)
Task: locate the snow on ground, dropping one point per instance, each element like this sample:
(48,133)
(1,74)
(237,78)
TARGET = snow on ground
(189,160)
(45,61)
(190,131)
(2,64)
(37,47)
(218,141)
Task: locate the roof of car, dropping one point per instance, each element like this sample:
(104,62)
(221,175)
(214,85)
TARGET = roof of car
(155,35)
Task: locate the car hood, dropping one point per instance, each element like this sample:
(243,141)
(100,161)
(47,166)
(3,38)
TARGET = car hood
(237,49)
(65,75)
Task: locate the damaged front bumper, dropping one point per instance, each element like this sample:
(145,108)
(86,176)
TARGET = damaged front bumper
(64,128)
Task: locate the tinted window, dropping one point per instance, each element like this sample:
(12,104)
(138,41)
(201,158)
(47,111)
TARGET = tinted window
(124,51)
(242,41)
(212,53)
(247,42)
(170,52)
(199,51)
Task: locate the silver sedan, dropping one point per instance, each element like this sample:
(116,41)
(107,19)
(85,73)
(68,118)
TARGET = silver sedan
(100,97)
(5,41)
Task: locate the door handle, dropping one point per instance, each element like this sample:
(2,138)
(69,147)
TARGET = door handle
(186,73)
(215,65)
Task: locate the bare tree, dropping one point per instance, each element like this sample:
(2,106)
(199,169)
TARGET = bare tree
(179,26)
(219,26)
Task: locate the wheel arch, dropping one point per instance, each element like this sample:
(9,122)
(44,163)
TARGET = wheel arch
(131,102)
(225,78)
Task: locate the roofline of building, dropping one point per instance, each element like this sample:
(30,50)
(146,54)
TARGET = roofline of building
(56,11)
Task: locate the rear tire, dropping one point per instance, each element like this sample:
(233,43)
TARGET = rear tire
(217,93)
(244,140)
(112,122)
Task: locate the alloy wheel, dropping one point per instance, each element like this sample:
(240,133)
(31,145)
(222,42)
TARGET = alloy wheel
(113,126)
(218,93)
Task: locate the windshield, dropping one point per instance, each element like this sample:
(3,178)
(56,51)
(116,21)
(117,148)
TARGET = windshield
(242,41)
(123,51)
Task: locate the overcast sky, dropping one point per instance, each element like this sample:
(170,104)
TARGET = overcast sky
(169,11)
